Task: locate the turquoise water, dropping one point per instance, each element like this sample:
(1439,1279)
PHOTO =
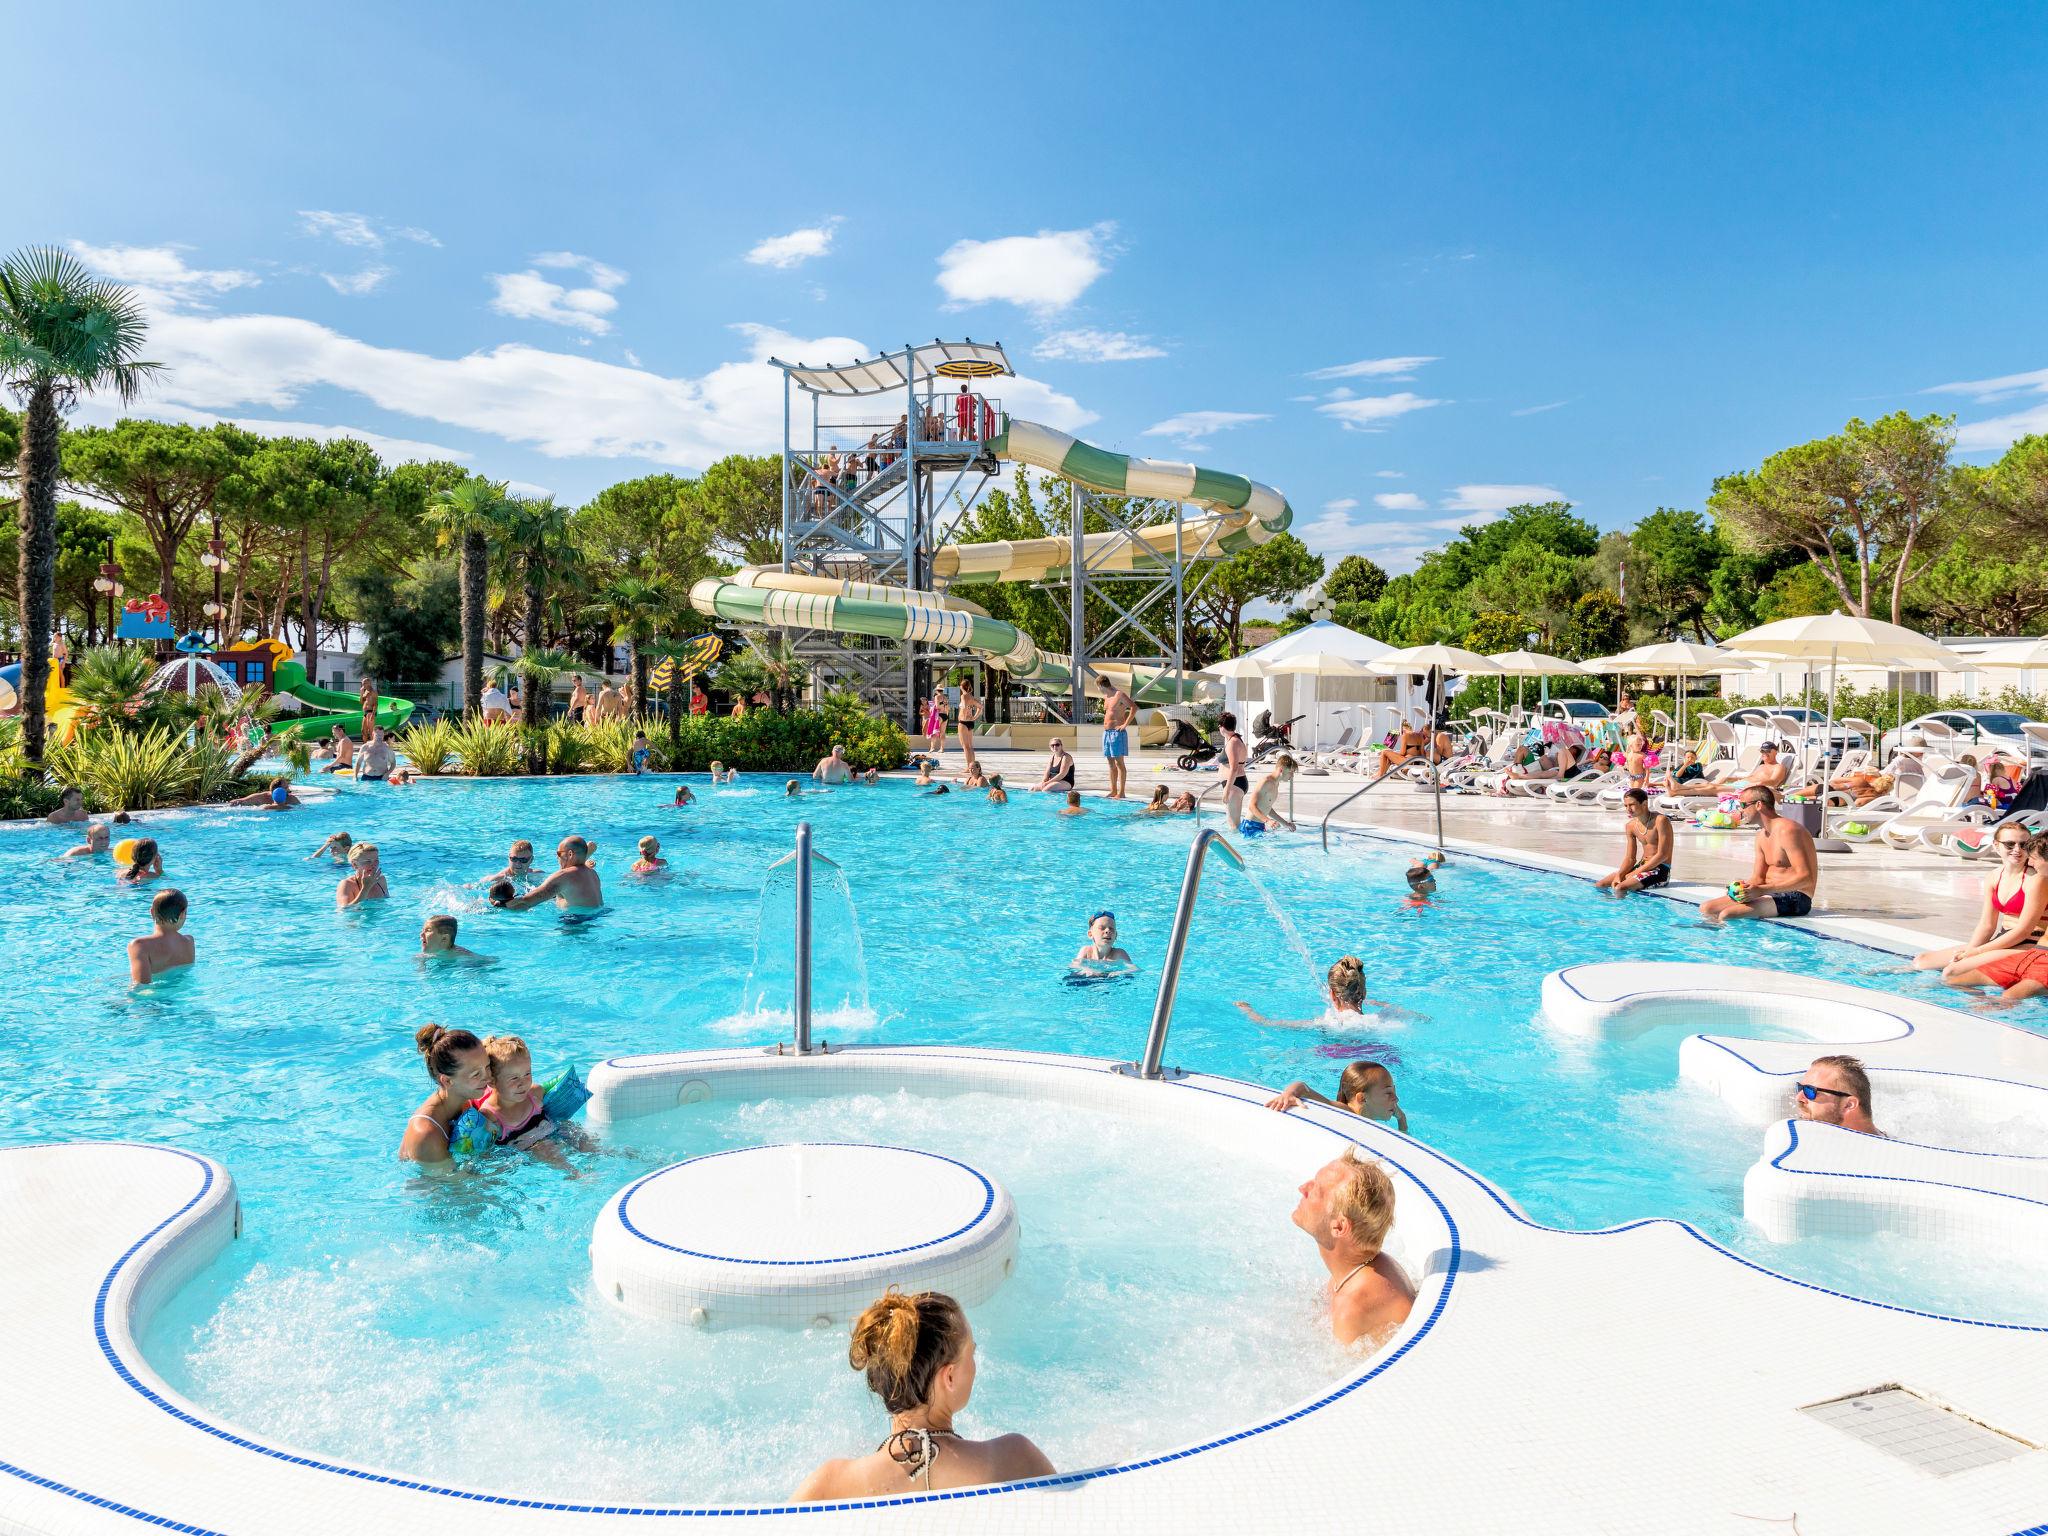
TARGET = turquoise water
(363,1304)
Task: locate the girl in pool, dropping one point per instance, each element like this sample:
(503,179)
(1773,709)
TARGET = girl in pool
(365,879)
(461,1072)
(1100,955)
(1346,981)
(335,848)
(974,778)
(1366,1089)
(145,862)
(924,773)
(918,1353)
(1158,805)
(650,861)
(683,795)
(514,1105)
(997,795)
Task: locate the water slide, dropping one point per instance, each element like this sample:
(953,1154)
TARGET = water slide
(1236,514)
(325,707)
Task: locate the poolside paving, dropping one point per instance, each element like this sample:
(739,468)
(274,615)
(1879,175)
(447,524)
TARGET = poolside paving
(1922,897)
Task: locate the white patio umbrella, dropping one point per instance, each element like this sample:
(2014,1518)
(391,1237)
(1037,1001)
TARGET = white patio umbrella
(1525,664)
(1237,666)
(1838,637)
(1319,664)
(2018,658)
(1674,658)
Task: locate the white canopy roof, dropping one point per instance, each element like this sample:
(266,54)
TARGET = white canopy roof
(1323,635)
(895,370)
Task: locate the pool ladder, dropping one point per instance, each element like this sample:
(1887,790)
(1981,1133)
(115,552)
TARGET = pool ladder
(1436,783)
(1149,1065)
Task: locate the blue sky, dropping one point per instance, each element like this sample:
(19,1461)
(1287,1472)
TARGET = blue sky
(1408,264)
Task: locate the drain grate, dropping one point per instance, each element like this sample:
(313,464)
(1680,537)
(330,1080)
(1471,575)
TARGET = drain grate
(1930,1438)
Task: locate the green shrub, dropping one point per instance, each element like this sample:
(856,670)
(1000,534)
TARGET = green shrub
(143,770)
(608,745)
(565,747)
(428,747)
(485,751)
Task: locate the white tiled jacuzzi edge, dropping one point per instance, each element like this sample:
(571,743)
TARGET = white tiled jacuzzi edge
(1545,1377)
(1817,1181)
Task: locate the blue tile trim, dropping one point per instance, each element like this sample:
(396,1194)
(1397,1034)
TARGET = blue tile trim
(1792,1126)
(1379,1366)
(988,1202)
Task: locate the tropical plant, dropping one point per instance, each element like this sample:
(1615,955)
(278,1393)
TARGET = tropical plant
(565,746)
(538,532)
(62,332)
(428,747)
(485,751)
(297,752)
(610,744)
(634,609)
(142,770)
(107,681)
(467,515)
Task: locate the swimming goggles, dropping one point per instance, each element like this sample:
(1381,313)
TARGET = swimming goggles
(1099,916)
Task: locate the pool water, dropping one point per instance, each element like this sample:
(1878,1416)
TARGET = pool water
(374,1304)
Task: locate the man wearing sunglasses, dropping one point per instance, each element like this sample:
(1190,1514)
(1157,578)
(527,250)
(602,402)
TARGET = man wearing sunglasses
(1786,873)
(1835,1090)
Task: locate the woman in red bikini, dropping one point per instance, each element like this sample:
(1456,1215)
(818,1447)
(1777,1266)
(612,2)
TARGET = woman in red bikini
(2003,951)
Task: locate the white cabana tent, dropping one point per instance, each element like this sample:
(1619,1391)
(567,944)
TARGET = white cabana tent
(1376,703)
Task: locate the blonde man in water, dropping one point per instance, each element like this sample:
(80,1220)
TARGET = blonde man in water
(918,1353)
(574,885)
(1347,1206)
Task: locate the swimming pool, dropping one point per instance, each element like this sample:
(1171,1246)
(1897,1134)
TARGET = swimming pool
(286,1054)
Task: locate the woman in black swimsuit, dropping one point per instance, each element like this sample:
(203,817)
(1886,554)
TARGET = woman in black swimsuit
(1059,773)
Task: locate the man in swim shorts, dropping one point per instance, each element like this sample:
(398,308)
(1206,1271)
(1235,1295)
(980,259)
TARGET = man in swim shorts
(574,886)
(1347,1206)
(1645,849)
(376,760)
(70,807)
(1265,811)
(1786,873)
(1769,774)
(1234,759)
(1117,713)
(1835,1090)
(165,947)
(344,752)
(833,768)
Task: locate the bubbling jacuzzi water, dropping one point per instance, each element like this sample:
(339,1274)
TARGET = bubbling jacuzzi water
(1159,1295)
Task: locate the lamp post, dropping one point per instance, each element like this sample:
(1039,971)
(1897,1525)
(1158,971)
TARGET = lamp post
(109,582)
(215,560)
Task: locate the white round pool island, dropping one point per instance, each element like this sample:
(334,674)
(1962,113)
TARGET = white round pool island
(803,1234)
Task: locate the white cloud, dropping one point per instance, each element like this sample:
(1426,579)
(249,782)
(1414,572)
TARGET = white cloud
(795,248)
(600,275)
(1341,504)
(1997,432)
(1394,545)
(1044,272)
(158,273)
(1498,498)
(1091,346)
(528,489)
(1538,410)
(1196,427)
(1374,368)
(529,296)
(356,284)
(561,404)
(358,229)
(1401,501)
(1390,474)
(1371,413)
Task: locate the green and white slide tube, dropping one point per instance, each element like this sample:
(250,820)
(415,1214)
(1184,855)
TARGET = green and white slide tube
(1236,514)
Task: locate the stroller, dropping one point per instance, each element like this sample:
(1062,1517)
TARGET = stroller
(1194,748)
(1270,737)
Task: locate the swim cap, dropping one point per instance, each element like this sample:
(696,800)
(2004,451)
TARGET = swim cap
(280,795)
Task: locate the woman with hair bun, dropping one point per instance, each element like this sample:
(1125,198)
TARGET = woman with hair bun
(1348,1000)
(918,1353)
(461,1072)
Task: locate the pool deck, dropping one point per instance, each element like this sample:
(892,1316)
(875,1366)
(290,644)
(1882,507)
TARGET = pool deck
(1905,900)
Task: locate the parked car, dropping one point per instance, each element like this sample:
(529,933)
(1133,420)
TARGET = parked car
(1752,727)
(1587,714)
(1976,730)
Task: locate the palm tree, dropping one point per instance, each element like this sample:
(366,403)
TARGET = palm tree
(539,533)
(468,514)
(62,332)
(634,607)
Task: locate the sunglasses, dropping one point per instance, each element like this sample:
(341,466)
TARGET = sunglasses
(2012,844)
(1812,1091)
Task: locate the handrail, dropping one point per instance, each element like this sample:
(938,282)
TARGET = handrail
(800,991)
(1148,1066)
(1363,789)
